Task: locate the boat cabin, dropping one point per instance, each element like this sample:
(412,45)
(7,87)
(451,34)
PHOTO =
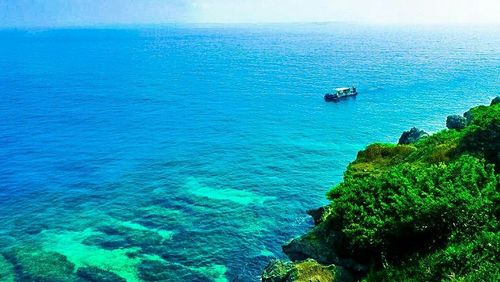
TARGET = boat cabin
(341,93)
(345,91)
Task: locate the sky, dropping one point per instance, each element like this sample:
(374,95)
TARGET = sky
(47,13)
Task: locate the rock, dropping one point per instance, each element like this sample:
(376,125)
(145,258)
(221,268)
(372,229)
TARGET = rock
(456,122)
(94,274)
(41,266)
(304,271)
(6,270)
(316,214)
(277,271)
(495,101)
(309,246)
(468,117)
(412,136)
(317,244)
(311,271)
(320,245)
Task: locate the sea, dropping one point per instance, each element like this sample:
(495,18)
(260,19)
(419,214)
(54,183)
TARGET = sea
(192,152)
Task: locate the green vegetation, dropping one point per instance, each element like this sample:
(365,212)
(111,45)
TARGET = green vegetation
(426,211)
(305,271)
(475,260)
(425,205)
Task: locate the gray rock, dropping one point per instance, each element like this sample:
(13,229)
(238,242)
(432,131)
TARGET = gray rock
(311,245)
(321,246)
(412,136)
(468,116)
(456,122)
(316,214)
(495,101)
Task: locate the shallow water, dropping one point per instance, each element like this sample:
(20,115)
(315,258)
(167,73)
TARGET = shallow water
(192,153)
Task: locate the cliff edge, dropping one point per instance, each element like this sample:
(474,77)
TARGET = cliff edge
(425,210)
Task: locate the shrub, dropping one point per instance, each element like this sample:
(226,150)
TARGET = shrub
(484,116)
(475,260)
(422,212)
(412,206)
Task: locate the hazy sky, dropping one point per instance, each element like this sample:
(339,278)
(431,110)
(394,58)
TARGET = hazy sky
(16,13)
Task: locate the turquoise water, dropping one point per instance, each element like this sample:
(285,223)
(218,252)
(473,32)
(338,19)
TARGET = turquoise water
(192,153)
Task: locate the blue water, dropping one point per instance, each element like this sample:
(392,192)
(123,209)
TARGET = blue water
(201,148)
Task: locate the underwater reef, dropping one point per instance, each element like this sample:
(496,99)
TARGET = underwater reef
(426,209)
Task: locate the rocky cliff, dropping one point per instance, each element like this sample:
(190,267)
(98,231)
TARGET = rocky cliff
(426,209)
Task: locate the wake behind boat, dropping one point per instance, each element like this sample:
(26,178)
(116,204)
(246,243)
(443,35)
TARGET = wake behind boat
(341,93)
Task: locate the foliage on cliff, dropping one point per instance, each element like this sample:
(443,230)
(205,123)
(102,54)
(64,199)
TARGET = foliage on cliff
(426,211)
(430,208)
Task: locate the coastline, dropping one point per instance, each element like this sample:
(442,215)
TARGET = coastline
(348,244)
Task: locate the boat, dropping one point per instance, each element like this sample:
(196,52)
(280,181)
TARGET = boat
(341,93)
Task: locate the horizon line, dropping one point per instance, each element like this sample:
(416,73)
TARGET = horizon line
(235,24)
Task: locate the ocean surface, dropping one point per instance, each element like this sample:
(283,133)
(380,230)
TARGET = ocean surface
(191,153)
